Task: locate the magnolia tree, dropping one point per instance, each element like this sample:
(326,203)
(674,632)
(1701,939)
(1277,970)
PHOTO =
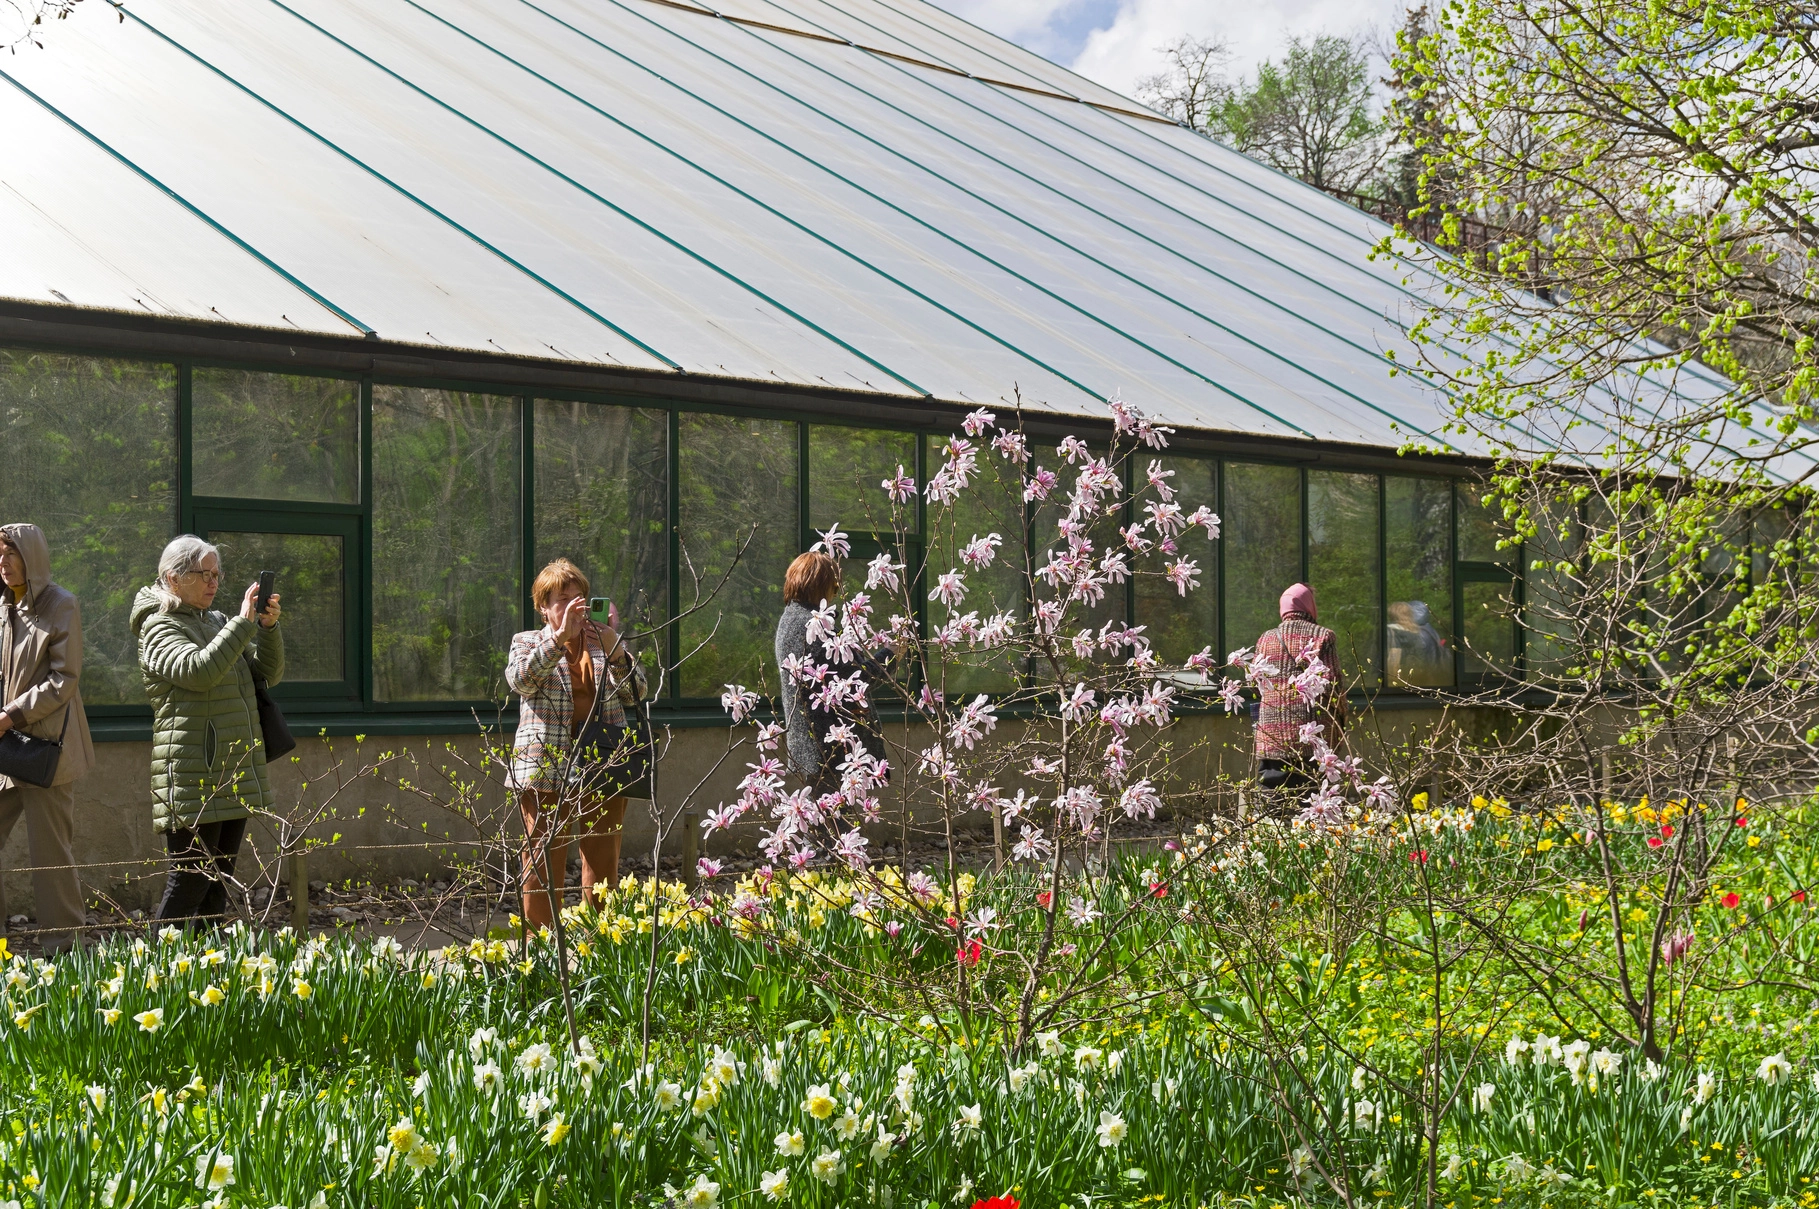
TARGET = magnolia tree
(1021,610)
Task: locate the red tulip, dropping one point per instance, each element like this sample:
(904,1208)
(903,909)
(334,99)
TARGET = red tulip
(1044,898)
(1731,901)
(968,954)
(1654,841)
(1007,1201)
(1667,830)
(1798,896)
(1419,856)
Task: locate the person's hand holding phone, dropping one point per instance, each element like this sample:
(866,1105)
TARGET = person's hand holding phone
(249,605)
(574,615)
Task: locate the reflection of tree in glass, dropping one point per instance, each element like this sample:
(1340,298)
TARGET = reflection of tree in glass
(310,581)
(846,467)
(274,436)
(91,454)
(1418,540)
(447,537)
(736,474)
(1179,626)
(1342,566)
(602,490)
(1262,546)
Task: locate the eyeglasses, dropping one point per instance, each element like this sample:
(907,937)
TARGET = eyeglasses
(211,577)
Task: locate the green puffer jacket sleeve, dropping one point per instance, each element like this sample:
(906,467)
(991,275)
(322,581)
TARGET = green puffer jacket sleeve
(168,650)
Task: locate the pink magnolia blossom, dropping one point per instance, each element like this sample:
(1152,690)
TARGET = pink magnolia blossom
(949,589)
(833,543)
(980,551)
(1165,518)
(1039,484)
(902,488)
(768,734)
(708,868)
(820,622)
(1072,448)
(1207,519)
(1078,704)
(1011,445)
(1231,695)
(1184,575)
(978,421)
(1201,661)
(739,701)
(1031,846)
(1158,481)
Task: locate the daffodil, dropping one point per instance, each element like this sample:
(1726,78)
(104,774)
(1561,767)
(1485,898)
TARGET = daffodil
(774,1184)
(969,1121)
(554,1130)
(828,1166)
(488,1077)
(151,1020)
(214,1171)
(702,1194)
(819,1102)
(1775,1070)
(211,996)
(301,988)
(669,1097)
(97,1096)
(789,1145)
(1111,1130)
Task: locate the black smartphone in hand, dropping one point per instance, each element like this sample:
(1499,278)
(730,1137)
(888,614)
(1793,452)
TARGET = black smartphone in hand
(266,580)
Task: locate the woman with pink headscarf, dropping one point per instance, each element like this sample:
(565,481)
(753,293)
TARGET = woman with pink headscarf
(1303,689)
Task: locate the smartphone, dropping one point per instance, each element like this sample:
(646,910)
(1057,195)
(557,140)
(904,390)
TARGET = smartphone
(266,580)
(599,608)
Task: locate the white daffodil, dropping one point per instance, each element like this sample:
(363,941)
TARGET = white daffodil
(789,1145)
(970,1120)
(1359,1074)
(1515,1050)
(1455,1167)
(1545,1051)
(773,1076)
(724,1068)
(214,1171)
(1481,1097)
(533,1104)
(483,1040)
(1048,1044)
(536,1059)
(883,1145)
(555,1129)
(1607,1062)
(702,1194)
(97,1096)
(419,1085)
(669,1096)
(819,1102)
(1364,1115)
(1518,1168)
(150,1021)
(774,1184)
(1112,1130)
(1704,1087)
(1087,1058)
(846,1126)
(828,1166)
(1775,1070)
(488,1077)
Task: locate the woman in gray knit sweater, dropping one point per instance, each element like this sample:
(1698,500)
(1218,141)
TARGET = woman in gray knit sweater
(811,580)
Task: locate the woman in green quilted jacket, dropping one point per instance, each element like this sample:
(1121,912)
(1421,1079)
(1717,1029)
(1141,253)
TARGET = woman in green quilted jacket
(208,756)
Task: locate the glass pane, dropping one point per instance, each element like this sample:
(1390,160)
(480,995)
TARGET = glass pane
(992,503)
(310,580)
(846,471)
(447,542)
(1177,625)
(275,436)
(739,488)
(1480,528)
(1551,596)
(1342,567)
(91,446)
(602,488)
(1489,629)
(1418,544)
(1262,536)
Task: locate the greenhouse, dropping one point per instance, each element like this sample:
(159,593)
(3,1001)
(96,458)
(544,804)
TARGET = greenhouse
(639,284)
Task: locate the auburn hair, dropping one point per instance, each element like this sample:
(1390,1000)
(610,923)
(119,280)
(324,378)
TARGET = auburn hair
(811,579)
(558,575)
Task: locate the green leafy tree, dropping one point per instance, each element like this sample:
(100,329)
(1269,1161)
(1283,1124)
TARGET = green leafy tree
(1312,115)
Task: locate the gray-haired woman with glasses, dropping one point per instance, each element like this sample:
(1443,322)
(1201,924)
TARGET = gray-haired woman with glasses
(208,754)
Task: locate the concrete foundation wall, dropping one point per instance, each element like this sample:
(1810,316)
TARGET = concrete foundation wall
(387,801)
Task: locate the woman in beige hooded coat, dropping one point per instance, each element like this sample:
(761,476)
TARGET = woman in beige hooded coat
(40,665)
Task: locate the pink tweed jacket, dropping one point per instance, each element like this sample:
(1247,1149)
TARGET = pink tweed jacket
(538,673)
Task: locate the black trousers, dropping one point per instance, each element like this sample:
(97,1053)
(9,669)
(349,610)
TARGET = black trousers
(202,863)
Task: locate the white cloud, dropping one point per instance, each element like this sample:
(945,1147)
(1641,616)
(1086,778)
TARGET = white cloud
(1117,42)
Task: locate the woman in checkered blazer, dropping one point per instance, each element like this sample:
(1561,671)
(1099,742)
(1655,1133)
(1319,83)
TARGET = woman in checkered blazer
(560,673)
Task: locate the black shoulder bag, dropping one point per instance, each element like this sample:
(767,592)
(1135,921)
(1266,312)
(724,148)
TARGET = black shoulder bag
(272,727)
(612,760)
(30,760)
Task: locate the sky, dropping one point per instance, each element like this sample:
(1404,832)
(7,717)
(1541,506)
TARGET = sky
(1116,42)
